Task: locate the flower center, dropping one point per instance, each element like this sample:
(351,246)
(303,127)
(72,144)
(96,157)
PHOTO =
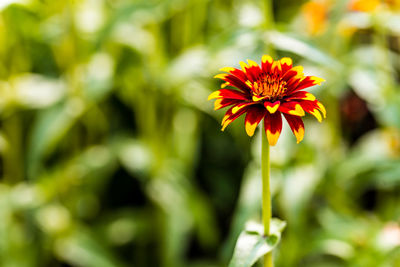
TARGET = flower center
(268,87)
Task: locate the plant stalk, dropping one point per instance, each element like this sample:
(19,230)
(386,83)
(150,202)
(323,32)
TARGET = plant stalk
(266,192)
(268,15)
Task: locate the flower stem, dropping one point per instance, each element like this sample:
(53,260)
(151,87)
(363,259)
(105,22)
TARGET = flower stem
(266,192)
(268,15)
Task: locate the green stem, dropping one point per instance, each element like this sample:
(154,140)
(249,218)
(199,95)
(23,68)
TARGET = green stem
(265,165)
(266,193)
(268,15)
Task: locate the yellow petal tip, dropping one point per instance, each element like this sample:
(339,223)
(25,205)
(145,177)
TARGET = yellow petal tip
(243,65)
(250,128)
(227,69)
(220,76)
(299,134)
(276,65)
(322,109)
(309,96)
(252,63)
(213,95)
(299,70)
(272,138)
(217,103)
(266,58)
(318,80)
(286,60)
(317,115)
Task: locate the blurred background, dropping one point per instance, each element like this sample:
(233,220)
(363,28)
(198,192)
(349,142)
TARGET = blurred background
(110,154)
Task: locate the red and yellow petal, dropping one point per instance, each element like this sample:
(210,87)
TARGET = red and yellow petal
(308,81)
(321,108)
(292,108)
(276,68)
(266,63)
(253,117)
(225,84)
(273,127)
(228,94)
(286,64)
(295,72)
(272,107)
(242,105)
(234,81)
(222,102)
(230,117)
(252,70)
(297,126)
(314,108)
(301,95)
(236,72)
(257,98)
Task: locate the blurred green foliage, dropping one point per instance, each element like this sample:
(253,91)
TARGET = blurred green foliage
(111,155)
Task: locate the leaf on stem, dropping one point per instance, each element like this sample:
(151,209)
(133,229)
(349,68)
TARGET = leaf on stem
(252,244)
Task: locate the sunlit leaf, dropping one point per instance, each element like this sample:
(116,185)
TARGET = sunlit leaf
(292,44)
(252,244)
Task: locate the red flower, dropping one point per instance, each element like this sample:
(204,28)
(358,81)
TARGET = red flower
(266,92)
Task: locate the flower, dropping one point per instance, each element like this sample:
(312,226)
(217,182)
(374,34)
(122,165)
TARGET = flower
(363,5)
(315,14)
(266,92)
(370,6)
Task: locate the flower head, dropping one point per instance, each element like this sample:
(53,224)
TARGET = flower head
(267,92)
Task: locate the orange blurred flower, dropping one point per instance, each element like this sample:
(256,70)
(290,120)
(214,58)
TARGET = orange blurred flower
(372,5)
(364,5)
(316,16)
(267,92)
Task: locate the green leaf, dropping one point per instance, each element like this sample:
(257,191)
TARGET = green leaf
(287,42)
(252,244)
